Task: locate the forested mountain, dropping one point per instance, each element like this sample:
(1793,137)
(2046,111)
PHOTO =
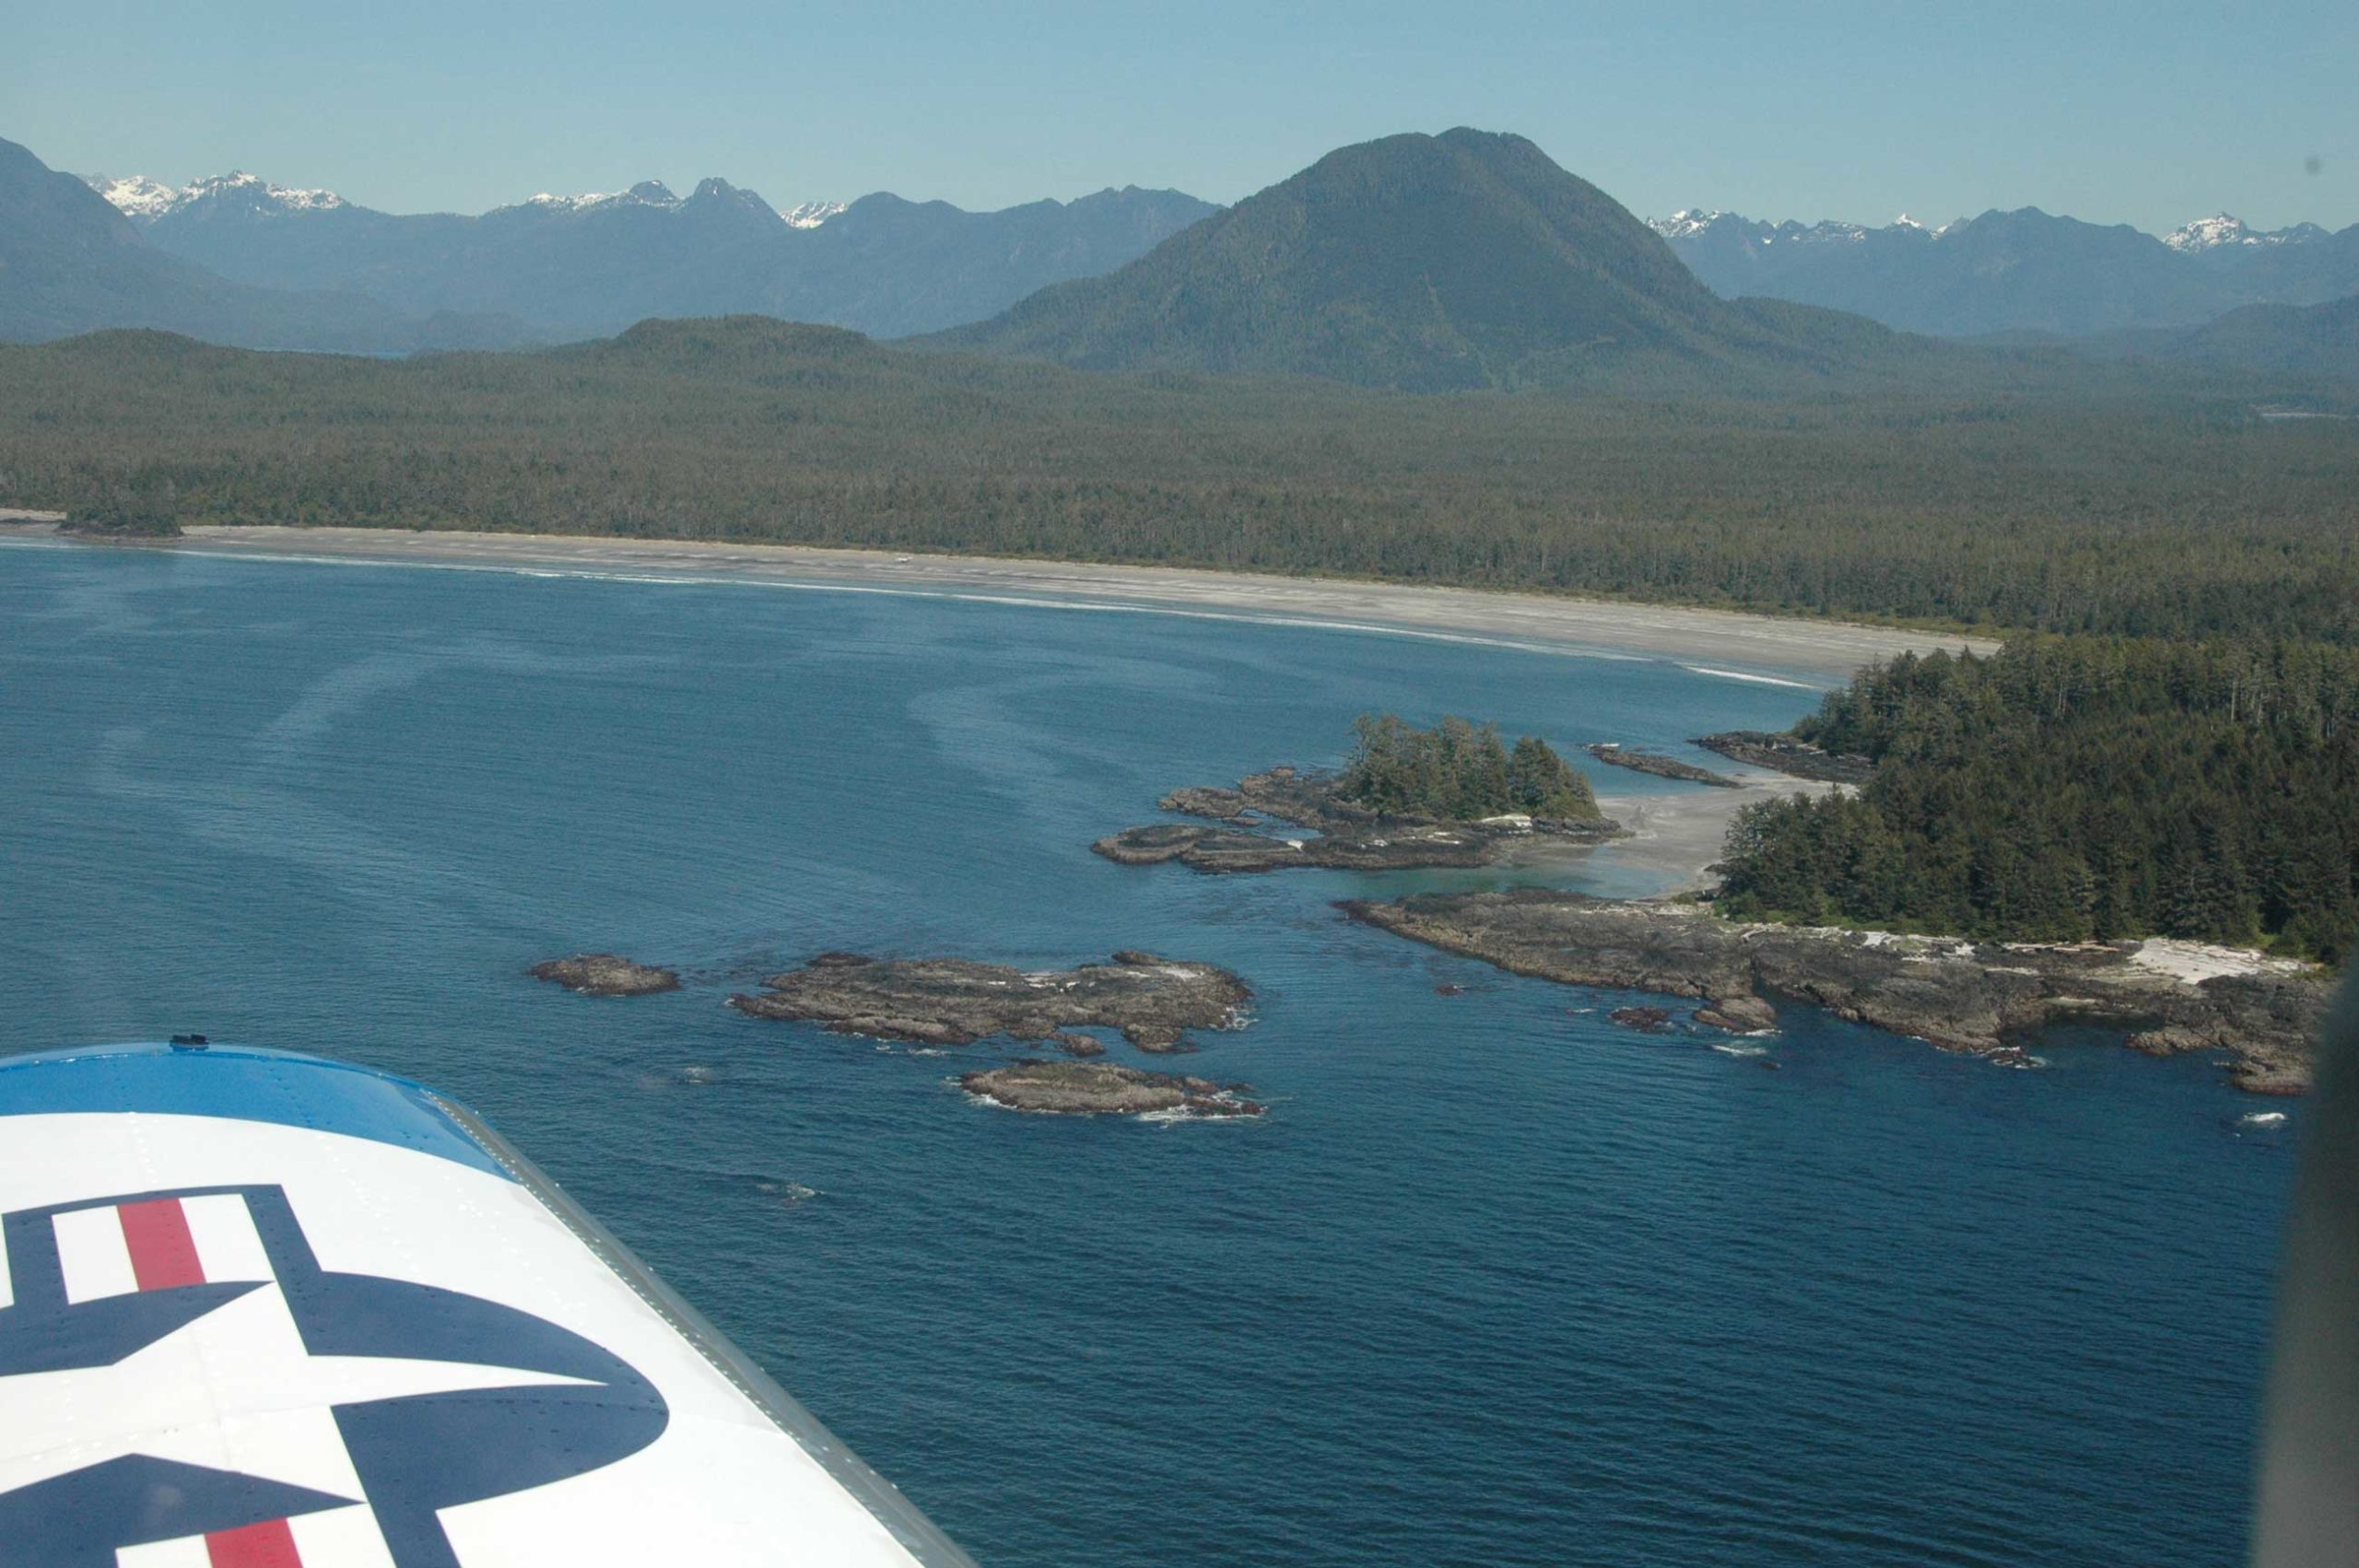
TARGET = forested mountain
(1465,260)
(69,261)
(2021,271)
(2084,787)
(589,266)
(2059,494)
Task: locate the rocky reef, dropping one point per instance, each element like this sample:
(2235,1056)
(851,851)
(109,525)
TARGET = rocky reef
(1337,834)
(605,974)
(1096,1088)
(953,1001)
(1641,761)
(1783,754)
(1959,995)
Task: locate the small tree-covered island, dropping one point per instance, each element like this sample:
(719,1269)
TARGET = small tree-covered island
(1454,795)
(2152,836)
(1462,772)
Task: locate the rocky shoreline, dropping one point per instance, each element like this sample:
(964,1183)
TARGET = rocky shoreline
(1783,754)
(1958,995)
(1638,760)
(1337,834)
(1153,1002)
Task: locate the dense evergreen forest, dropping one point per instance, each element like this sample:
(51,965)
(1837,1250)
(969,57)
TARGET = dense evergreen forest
(2074,787)
(1460,772)
(2021,492)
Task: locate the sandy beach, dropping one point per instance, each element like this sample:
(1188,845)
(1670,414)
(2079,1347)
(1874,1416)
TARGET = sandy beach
(1805,653)
(1675,834)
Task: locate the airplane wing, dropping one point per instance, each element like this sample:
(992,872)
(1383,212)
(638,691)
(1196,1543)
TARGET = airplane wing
(263,1310)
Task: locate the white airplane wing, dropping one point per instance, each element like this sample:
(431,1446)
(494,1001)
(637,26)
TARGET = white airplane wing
(261,1310)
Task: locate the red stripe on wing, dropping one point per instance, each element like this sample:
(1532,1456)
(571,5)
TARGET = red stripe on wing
(162,1252)
(270,1544)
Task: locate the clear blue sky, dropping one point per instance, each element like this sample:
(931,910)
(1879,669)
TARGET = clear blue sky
(2147,114)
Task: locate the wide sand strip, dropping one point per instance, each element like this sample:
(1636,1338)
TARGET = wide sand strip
(1826,652)
(1676,834)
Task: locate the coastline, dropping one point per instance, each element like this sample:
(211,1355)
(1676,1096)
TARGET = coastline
(1980,998)
(1702,640)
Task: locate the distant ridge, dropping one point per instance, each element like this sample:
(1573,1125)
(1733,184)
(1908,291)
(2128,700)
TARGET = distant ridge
(2282,340)
(2021,271)
(590,266)
(1426,262)
(71,263)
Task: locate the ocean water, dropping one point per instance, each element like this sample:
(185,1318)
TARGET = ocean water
(1494,1282)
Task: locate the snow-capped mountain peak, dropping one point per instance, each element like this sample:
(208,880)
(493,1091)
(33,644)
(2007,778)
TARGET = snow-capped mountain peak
(1693,223)
(646,194)
(133,195)
(2220,229)
(555,203)
(655,193)
(137,196)
(2210,234)
(256,191)
(1684,224)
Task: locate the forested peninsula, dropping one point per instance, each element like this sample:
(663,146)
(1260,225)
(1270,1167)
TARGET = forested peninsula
(2076,789)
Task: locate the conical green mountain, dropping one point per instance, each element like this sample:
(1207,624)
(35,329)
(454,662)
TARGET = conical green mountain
(1427,262)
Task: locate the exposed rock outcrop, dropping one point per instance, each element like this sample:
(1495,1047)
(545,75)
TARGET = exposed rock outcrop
(605,974)
(1956,994)
(952,1001)
(1783,754)
(1338,834)
(1662,767)
(1096,1088)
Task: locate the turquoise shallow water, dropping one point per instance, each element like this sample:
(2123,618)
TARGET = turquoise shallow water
(1494,1281)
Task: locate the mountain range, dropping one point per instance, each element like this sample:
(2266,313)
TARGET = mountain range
(2016,271)
(1465,259)
(70,262)
(581,266)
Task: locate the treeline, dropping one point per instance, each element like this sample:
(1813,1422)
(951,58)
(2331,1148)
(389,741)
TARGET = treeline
(1461,772)
(149,512)
(2076,787)
(2064,506)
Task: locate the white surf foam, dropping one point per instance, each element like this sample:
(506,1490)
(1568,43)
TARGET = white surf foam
(1743,675)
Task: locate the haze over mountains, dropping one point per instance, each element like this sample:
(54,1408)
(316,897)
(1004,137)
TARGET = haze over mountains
(2022,271)
(1463,259)
(578,266)
(238,260)
(70,262)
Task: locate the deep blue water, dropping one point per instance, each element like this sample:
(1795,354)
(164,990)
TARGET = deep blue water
(1494,1282)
